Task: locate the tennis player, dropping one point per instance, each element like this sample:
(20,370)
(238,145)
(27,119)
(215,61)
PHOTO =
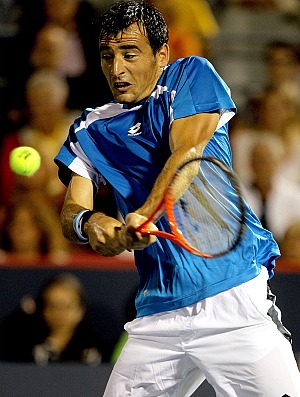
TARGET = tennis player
(196,318)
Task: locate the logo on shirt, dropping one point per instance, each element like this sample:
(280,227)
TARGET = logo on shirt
(135,130)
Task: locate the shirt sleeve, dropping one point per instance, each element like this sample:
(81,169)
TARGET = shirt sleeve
(72,158)
(201,90)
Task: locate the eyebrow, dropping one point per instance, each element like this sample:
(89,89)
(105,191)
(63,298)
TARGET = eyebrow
(105,47)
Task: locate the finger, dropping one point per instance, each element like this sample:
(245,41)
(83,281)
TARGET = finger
(136,236)
(101,239)
(120,232)
(143,243)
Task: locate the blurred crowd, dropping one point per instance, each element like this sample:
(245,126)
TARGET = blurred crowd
(51,327)
(56,326)
(50,71)
(266,147)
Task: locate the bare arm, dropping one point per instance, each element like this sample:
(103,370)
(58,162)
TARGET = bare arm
(188,137)
(102,231)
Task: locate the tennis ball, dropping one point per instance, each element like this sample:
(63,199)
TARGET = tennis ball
(24,160)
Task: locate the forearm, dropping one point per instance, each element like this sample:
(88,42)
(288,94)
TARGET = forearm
(81,225)
(177,158)
(100,231)
(68,214)
(188,138)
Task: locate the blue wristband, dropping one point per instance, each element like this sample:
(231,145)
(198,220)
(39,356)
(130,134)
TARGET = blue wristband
(78,223)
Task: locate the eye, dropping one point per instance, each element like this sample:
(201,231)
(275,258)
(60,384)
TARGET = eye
(129,55)
(106,56)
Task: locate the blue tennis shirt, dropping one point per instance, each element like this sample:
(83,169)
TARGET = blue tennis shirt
(128,146)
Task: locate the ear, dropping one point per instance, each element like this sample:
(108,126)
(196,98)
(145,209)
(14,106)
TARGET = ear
(163,55)
(81,313)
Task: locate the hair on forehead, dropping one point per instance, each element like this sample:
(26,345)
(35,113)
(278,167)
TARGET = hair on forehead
(123,14)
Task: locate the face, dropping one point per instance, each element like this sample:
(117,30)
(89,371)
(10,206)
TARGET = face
(282,65)
(62,308)
(49,48)
(129,65)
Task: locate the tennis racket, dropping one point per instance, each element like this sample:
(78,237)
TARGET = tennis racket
(205,217)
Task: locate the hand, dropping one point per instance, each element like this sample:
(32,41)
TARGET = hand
(131,238)
(104,234)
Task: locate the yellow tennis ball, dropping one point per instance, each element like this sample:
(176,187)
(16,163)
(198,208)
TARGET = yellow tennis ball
(24,160)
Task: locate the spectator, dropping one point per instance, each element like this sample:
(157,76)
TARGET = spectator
(275,109)
(290,135)
(31,230)
(283,67)
(81,59)
(192,26)
(275,200)
(48,121)
(81,63)
(54,328)
(290,243)
(8,31)
(281,70)
(270,115)
(47,53)
(46,129)
(290,9)
(49,49)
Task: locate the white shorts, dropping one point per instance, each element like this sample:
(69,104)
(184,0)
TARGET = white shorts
(229,339)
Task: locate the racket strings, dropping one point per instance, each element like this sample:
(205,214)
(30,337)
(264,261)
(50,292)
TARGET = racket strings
(210,214)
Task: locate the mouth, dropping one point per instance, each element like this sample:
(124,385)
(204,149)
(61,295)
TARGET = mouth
(121,86)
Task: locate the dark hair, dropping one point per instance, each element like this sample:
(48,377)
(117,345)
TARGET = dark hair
(125,13)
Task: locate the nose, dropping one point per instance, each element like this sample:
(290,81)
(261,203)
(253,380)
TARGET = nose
(117,67)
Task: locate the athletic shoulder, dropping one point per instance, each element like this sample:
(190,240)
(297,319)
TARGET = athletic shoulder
(191,62)
(193,68)
(81,119)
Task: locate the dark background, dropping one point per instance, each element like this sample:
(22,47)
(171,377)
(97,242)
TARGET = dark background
(108,290)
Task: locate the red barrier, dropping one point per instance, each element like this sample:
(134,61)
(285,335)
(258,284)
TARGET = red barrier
(288,266)
(80,260)
(91,260)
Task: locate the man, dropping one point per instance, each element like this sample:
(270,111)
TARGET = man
(196,318)
(283,68)
(271,194)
